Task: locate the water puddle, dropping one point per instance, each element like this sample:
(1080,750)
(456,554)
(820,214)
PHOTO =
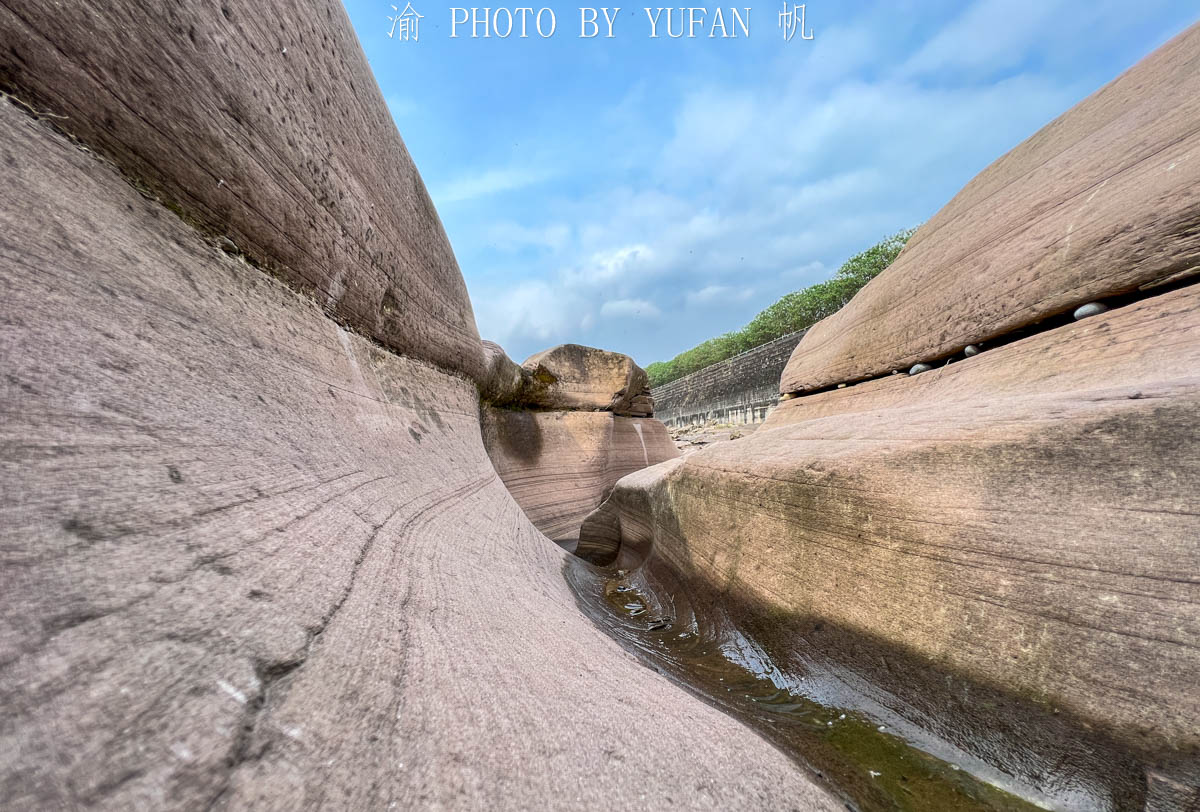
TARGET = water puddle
(871,765)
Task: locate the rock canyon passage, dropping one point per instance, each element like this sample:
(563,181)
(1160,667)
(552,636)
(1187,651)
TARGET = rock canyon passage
(278,530)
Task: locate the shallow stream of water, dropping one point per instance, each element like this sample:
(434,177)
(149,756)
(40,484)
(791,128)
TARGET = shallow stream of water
(872,766)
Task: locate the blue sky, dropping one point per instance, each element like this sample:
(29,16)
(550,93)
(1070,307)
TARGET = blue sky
(643,194)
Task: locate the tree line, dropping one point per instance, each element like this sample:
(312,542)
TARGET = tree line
(796,311)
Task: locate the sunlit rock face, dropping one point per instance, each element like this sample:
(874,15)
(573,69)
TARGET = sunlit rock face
(563,427)
(1002,551)
(571,376)
(253,551)
(1102,202)
(568,377)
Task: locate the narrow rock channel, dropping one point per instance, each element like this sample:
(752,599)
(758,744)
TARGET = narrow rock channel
(870,756)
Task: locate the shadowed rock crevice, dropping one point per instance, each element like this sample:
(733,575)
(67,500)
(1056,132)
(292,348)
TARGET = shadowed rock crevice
(1103,201)
(257,555)
(1172,282)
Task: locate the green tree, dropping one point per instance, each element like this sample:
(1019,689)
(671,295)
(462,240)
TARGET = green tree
(795,311)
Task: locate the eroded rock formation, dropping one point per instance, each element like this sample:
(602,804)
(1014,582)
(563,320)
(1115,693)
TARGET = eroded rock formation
(1103,201)
(563,427)
(250,556)
(1002,551)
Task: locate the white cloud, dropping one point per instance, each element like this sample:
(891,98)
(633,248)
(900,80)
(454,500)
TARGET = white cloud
(401,108)
(509,236)
(718,294)
(629,308)
(484,184)
(609,269)
(988,35)
(532,310)
(697,208)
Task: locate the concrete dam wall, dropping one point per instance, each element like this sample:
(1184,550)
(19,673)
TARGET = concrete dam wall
(740,390)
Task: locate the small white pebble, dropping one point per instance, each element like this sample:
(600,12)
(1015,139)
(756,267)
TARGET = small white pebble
(1091,309)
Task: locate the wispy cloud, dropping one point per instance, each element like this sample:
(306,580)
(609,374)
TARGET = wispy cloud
(487,183)
(629,308)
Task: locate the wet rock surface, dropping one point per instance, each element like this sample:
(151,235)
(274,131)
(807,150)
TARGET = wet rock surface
(998,549)
(869,755)
(256,553)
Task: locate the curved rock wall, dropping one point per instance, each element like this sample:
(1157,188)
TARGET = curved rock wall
(560,465)
(249,558)
(1103,201)
(259,123)
(1001,550)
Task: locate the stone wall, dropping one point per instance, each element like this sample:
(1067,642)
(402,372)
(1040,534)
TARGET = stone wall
(740,390)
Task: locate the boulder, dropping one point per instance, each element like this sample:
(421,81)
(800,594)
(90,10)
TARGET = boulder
(503,382)
(562,428)
(571,376)
(1103,201)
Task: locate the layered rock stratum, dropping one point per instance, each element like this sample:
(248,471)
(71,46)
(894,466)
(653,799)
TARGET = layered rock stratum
(563,427)
(254,554)
(1000,551)
(1101,202)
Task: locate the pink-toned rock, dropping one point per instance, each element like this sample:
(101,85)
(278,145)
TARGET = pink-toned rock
(560,465)
(248,558)
(1103,201)
(503,383)
(1002,546)
(257,122)
(571,376)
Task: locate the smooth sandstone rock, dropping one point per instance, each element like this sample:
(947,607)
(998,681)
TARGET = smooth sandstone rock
(560,465)
(557,454)
(1004,548)
(258,122)
(571,376)
(1102,201)
(249,559)
(503,382)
